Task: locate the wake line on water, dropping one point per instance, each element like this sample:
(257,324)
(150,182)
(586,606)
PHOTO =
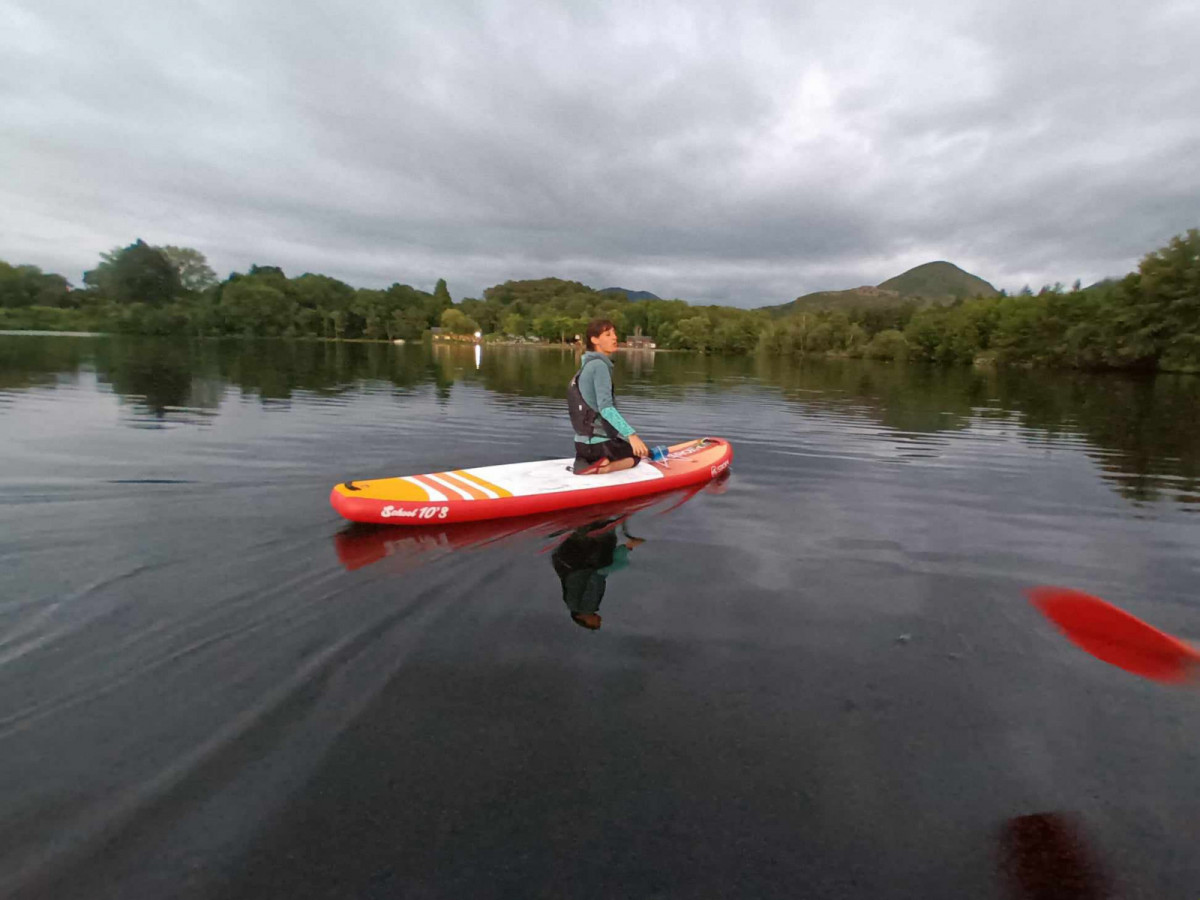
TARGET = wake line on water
(307,712)
(248,599)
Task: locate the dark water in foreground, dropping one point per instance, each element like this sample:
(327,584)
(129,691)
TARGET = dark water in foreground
(819,678)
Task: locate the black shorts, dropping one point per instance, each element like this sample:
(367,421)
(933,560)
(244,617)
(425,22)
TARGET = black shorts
(612,450)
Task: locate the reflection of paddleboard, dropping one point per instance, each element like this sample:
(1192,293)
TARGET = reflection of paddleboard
(363,545)
(521,489)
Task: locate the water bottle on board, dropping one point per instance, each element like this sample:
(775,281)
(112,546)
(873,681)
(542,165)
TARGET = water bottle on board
(659,454)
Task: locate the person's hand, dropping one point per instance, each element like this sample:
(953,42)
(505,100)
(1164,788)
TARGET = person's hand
(639,446)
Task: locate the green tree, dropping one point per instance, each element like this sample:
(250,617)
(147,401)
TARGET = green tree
(375,309)
(1163,298)
(855,340)
(321,292)
(441,296)
(695,333)
(416,304)
(22,286)
(252,308)
(514,324)
(455,322)
(338,320)
(943,334)
(308,322)
(138,273)
(888,344)
(736,334)
(408,323)
(488,313)
(193,268)
(546,326)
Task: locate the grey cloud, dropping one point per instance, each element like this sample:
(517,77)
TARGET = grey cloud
(722,154)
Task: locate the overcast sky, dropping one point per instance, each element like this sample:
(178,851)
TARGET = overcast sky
(740,153)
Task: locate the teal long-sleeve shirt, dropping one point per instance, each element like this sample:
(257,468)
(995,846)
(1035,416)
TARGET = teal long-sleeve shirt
(595,383)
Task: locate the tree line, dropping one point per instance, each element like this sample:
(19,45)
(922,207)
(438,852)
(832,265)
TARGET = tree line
(1148,320)
(142,289)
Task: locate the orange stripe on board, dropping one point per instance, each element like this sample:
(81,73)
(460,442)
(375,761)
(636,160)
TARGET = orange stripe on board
(440,488)
(497,490)
(463,486)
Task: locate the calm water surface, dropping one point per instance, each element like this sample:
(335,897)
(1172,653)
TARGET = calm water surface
(817,678)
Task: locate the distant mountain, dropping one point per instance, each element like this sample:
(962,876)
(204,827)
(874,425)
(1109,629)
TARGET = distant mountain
(632,296)
(863,297)
(935,282)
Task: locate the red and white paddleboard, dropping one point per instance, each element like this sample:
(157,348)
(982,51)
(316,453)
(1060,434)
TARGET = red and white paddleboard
(521,489)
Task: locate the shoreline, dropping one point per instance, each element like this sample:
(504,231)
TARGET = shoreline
(399,342)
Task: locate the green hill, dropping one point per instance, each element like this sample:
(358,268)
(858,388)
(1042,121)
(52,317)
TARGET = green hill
(935,282)
(864,297)
(631,296)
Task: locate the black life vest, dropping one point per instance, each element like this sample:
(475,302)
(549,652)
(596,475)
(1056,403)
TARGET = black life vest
(583,417)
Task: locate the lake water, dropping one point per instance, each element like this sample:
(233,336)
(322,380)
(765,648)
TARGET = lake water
(819,677)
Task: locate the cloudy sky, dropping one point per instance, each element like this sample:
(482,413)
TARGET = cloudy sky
(740,153)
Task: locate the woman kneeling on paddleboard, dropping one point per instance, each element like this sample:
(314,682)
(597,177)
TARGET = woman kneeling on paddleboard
(604,441)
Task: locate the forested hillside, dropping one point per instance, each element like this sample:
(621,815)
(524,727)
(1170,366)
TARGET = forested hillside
(1150,319)
(935,282)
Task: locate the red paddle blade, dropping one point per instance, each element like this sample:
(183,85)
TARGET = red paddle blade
(1113,635)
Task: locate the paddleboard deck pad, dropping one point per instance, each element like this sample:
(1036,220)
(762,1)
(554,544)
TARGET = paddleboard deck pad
(521,489)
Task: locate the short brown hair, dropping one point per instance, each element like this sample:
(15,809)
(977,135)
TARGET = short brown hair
(595,328)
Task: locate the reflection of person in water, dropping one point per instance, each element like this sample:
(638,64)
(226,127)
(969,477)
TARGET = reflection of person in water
(1045,856)
(583,563)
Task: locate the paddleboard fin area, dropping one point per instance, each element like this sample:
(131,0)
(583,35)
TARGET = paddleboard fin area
(520,489)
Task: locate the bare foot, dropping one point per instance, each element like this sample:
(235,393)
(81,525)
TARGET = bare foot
(590,621)
(616,466)
(585,468)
